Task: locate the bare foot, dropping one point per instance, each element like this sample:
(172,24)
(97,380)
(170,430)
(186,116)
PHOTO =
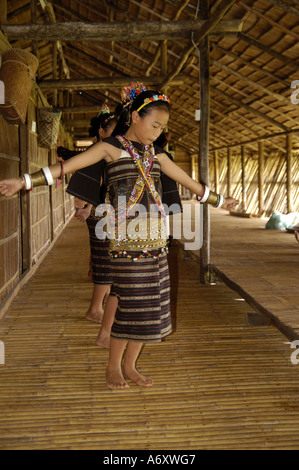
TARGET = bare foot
(297,236)
(115,380)
(96,317)
(103,339)
(137,378)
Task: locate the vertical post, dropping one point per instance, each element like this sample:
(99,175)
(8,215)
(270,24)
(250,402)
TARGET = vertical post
(34,20)
(261,177)
(229,166)
(203,161)
(26,203)
(289,172)
(216,171)
(244,201)
(54,66)
(164,68)
(3,9)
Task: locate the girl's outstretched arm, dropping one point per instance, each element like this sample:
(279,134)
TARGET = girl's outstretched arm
(99,151)
(180,176)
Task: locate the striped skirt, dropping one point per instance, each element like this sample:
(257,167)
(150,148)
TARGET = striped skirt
(143,291)
(100,258)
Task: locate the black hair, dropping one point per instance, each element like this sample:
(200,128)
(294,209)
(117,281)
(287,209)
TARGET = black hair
(161,141)
(102,121)
(125,116)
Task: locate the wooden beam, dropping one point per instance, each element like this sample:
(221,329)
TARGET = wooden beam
(80,109)
(117,31)
(103,82)
(208,26)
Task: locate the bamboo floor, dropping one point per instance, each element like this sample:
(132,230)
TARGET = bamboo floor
(261,265)
(219,383)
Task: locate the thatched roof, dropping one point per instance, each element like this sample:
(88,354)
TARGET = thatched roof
(253,63)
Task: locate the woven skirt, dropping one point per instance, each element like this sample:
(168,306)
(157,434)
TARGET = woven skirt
(143,291)
(100,258)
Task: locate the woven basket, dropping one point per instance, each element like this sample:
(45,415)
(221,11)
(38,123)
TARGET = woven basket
(17,72)
(48,127)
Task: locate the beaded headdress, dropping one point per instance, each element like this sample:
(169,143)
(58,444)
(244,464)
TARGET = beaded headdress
(130,92)
(105,110)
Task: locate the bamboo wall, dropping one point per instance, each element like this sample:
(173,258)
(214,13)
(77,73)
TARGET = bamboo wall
(274,187)
(9,210)
(30,221)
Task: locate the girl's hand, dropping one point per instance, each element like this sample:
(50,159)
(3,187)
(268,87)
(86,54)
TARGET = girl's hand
(83,214)
(11,186)
(79,203)
(230,204)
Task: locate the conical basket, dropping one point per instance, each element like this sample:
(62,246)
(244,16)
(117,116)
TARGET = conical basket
(17,75)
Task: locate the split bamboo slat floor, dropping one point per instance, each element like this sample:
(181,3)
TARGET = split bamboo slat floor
(260,264)
(219,383)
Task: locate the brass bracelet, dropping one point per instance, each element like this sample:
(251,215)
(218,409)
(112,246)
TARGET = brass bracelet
(213,199)
(38,179)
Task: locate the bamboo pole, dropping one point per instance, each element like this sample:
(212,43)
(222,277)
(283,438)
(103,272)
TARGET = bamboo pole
(244,201)
(261,177)
(216,171)
(289,172)
(229,165)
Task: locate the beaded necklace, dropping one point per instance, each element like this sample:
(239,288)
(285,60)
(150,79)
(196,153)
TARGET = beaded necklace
(144,164)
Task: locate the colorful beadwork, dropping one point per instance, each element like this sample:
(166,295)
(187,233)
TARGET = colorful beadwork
(130,92)
(152,99)
(144,164)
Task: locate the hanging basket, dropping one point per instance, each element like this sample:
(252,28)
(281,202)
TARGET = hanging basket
(17,75)
(48,127)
